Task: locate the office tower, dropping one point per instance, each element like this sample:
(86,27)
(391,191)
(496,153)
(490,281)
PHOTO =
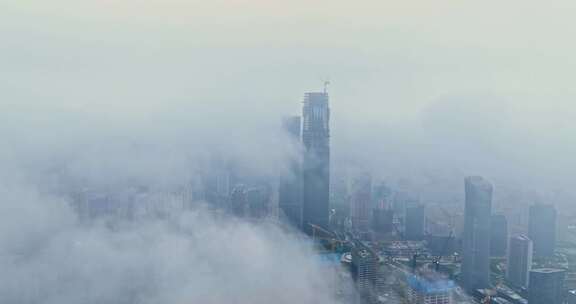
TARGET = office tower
(542,229)
(316,163)
(430,289)
(519,260)
(361,202)
(366,273)
(382,220)
(290,188)
(414,222)
(476,236)
(546,286)
(499,236)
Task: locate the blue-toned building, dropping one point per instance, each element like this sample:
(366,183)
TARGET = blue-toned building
(430,289)
(316,161)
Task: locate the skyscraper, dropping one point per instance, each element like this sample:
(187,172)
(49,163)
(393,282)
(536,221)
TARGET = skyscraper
(519,260)
(361,202)
(542,229)
(290,188)
(414,222)
(382,220)
(476,236)
(499,236)
(366,273)
(546,286)
(316,164)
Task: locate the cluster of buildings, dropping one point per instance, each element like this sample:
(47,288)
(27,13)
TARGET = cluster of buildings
(373,214)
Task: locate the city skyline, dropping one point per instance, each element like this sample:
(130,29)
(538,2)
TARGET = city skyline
(306,152)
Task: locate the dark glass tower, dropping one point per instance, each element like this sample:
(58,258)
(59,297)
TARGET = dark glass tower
(499,238)
(476,237)
(415,222)
(316,163)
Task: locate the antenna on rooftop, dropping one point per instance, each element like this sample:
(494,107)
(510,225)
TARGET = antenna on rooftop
(326,83)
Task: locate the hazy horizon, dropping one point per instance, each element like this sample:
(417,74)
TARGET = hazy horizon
(107,93)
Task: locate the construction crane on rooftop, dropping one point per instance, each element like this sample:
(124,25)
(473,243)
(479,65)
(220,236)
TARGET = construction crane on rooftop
(326,83)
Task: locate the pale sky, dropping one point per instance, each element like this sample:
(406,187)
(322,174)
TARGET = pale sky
(496,72)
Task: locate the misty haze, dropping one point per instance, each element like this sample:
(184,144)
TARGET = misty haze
(310,152)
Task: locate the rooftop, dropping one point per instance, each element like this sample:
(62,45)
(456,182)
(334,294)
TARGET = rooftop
(479,181)
(547,270)
(430,286)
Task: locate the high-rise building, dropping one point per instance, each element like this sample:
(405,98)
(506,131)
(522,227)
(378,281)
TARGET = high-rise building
(441,245)
(361,202)
(499,236)
(290,188)
(382,220)
(519,260)
(366,273)
(476,236)
(546,286)
(316,163)
(414,222)
(542,229)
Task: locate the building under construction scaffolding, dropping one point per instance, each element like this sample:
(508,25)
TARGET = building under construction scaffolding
(316,162)
(429,288)
(366,272)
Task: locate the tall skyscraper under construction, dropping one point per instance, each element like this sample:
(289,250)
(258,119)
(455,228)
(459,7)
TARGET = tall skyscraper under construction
(476,237)
(366,273)
(290,188)
(316,161)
